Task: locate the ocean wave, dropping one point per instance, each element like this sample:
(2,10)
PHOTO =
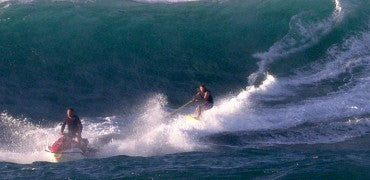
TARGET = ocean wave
(352,54)
(145,130)
(302,35)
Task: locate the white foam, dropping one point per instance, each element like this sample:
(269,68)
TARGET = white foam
(27,140)
(151,134)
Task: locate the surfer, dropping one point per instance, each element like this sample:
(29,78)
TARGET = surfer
(204,98)
(74,126)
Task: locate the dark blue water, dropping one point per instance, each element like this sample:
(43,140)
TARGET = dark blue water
(290,81)
(290,162)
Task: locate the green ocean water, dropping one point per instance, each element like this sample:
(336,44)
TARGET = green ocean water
(290,81)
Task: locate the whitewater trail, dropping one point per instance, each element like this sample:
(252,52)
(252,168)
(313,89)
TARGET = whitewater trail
(153,134)
(150,133)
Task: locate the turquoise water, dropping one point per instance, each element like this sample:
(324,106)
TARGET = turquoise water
(290,81)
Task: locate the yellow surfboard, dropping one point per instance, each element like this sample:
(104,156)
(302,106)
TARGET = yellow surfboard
(191,118)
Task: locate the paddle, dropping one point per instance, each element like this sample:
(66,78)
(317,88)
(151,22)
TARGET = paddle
(178,109)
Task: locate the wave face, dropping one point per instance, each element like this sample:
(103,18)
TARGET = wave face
(287,76)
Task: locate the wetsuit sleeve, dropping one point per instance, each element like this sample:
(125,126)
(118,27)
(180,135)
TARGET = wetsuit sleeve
(63,126)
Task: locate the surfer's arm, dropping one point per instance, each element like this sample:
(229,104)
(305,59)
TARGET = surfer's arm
(206,96)
(196,97)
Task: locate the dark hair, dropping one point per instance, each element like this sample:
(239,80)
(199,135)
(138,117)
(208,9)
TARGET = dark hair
(70,109)
(202,85)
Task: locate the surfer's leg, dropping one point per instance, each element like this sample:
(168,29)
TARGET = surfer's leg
(198,111)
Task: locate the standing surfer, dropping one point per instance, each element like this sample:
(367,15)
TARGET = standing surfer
(204,98)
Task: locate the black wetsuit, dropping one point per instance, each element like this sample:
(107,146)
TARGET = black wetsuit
(74,126)
(207,104)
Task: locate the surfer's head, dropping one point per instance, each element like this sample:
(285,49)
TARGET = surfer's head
(202,88)
(70,112)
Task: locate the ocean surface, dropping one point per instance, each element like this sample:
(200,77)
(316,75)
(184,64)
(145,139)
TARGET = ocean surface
(290,80)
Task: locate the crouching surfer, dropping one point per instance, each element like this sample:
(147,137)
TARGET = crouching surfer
(205,100)
(73,138)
